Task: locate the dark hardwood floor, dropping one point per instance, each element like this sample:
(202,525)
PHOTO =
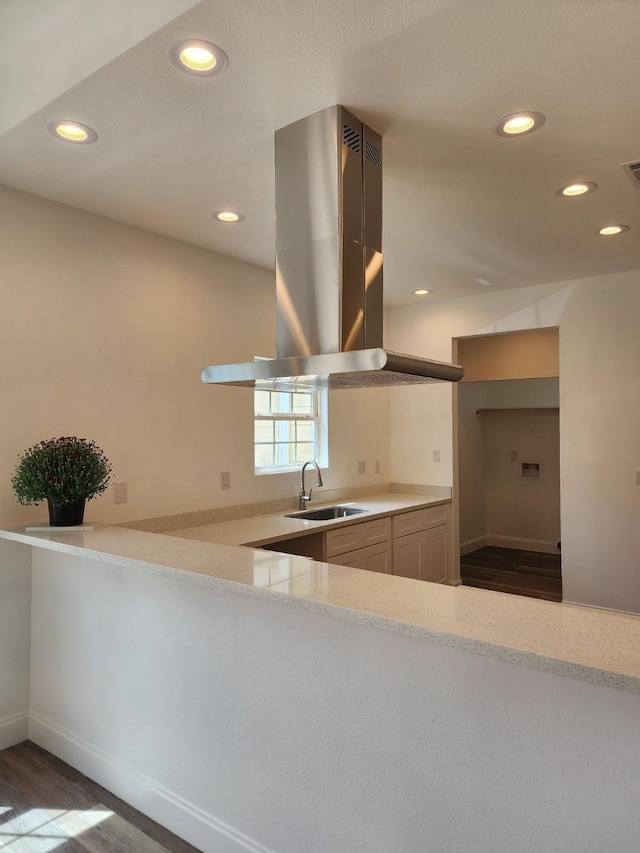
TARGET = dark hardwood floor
(45,805)
(510,570)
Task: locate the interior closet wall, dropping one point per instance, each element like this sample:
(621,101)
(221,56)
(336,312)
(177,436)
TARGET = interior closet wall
(522,511)
(498,506)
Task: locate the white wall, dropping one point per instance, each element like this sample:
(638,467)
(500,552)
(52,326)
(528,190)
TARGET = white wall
(103,331)
(522,512)
(249,725)
(492,499)
(599,416)
(15,633)
(472,475)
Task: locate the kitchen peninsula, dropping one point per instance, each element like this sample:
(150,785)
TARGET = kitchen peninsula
(254,700)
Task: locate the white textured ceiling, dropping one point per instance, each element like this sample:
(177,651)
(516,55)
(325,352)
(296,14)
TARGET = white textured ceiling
(432,76)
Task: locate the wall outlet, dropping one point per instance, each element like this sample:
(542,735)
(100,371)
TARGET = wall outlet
(119,493)
(362,467)
(637,476)
(376,466)
(513,456)
(436,455)
(225,479)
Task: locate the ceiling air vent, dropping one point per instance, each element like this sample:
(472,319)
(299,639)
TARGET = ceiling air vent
(633,171)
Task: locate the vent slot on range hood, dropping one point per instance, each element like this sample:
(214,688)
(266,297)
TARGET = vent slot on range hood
(329,312)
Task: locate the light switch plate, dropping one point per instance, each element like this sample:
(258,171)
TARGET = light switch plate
(119,493)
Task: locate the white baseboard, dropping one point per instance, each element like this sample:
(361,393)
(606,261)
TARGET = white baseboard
(540,545)
(472,545)
(167,808)
(14,730)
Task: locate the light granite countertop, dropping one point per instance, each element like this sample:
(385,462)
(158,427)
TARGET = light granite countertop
(276,526)
(597,646)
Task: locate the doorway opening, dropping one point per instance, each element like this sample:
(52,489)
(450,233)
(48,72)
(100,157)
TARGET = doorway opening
(507,461)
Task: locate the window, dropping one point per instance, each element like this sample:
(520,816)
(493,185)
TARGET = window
(290,428)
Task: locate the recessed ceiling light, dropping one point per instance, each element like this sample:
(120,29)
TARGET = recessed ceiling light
(229,216)
(579,188)
(421,292)
(518,124)
(197,57)
(610,230)
(72,131)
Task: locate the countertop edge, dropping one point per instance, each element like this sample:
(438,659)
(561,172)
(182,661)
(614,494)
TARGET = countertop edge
(602,676)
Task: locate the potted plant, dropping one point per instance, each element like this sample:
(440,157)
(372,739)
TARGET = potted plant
(65,472)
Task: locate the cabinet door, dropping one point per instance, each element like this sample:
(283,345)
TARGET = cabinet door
(435,554)
(353,559)
(377,558)
(407,551)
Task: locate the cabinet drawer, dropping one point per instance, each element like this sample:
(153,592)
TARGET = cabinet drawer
(374,532)
(341,540)
(348,538)
(408,522)
(434,516)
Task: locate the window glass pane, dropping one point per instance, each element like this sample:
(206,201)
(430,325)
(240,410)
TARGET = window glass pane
(264,455)
(302,403)
(305,431)
(263,431)
(281,401)
(262,402)
(285,430)
(285,453)
(304,452)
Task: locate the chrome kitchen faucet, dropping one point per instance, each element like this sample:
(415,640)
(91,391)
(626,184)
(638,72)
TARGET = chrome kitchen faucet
(303,498)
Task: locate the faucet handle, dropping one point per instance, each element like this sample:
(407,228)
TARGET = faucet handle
(309,495)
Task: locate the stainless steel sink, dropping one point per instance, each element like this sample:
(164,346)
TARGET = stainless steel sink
(325,513)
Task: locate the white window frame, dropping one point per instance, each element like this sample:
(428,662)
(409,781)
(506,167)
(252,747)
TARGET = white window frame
(319,417)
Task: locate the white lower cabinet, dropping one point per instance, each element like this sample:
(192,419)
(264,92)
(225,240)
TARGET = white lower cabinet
(413,544)
(377,558)
(423,555)
(407,556)
(363,546)
(435,554)
(352,537)
(352,558)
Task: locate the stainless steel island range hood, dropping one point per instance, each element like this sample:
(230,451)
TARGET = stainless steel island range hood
(329,267)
